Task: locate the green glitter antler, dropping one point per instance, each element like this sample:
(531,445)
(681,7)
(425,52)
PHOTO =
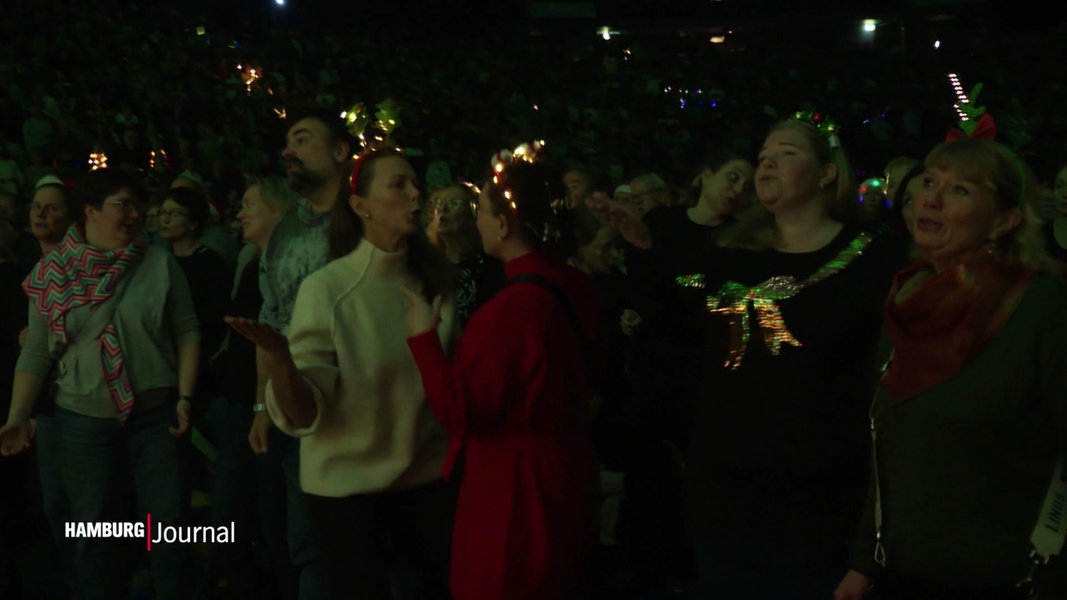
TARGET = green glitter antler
(826,125)
(971,110)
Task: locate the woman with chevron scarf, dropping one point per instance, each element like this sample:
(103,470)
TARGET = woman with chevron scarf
(112,322)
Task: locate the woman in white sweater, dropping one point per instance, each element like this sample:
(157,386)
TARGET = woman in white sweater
(345,383)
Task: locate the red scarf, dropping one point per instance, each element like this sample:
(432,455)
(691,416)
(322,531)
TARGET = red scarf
(948,320)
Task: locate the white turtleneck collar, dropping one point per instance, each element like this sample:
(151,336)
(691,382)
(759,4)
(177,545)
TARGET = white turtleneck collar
(377,262)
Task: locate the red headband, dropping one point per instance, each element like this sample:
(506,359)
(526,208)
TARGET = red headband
(354,177)
(984,129)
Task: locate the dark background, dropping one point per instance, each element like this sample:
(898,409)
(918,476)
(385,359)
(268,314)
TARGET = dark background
(468,73)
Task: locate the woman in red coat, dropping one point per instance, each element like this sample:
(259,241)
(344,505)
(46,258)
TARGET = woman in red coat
(515,400)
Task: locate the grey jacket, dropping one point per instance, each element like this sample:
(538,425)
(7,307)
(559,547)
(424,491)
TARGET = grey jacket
(154,317)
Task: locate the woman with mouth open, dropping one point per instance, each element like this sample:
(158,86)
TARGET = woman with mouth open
(344,383)
(777,463)
(970,421)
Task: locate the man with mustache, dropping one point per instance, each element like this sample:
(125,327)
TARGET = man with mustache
(315,153)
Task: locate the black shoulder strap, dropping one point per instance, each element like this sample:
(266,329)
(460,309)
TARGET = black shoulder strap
(546,284)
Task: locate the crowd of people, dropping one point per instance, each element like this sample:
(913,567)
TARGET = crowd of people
(672,348)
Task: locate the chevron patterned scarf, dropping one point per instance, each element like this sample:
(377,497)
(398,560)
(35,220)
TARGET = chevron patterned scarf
(77,274)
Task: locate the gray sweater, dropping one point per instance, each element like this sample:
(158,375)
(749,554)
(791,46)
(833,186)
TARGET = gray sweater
(154,317)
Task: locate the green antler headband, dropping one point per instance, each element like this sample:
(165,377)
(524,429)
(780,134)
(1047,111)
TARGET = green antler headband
(826,125)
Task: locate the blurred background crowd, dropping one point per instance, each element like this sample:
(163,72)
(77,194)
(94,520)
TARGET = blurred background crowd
(619,96)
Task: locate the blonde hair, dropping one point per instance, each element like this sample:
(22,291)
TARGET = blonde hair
(655,185)
(756,229)
(998,169)
(905,163)
(839,195)
(277,195)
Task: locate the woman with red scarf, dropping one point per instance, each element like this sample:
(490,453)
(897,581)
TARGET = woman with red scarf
(971,418)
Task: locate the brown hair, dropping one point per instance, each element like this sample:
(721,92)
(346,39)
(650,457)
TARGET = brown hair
(714,160)
(428,265)
(194,201)
(532,210)
(97,185)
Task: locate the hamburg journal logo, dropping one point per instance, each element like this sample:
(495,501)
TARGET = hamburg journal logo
(152,533)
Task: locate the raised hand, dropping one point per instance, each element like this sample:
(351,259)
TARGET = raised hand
(266,337)
(622,219)
(421,316)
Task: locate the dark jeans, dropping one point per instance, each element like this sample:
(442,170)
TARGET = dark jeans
(776,571)
(54,498)
(389,545)
(303,551)
(99,457)
(250,491)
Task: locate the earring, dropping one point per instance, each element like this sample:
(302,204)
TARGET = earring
(499,238)
(367,216)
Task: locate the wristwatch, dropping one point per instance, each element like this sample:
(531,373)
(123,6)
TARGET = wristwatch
(259,407)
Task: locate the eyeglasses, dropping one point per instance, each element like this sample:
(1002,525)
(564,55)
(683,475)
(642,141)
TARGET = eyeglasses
(449,203)
(124,205)
(172,214)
